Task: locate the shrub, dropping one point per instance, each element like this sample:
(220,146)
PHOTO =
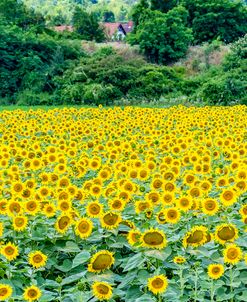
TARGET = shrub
(212,19)
(99,94)
(225,89)
(163,38)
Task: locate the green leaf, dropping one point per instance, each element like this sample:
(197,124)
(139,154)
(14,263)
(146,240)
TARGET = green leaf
(65,267)
(134,262)
(81,258)
(160,255)
(73,278)
(51,283)
(145,298)
(71,247)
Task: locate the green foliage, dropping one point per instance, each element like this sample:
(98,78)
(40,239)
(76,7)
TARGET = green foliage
(238,54)
(164,38)
(108,16)
(15,12)
(138,11)
(217,19)
(98,94)
(226,88)
(87,25)
(225,84)
(105,77)
(163,6)
(30,63)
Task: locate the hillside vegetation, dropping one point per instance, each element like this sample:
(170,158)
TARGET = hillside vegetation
(42,67)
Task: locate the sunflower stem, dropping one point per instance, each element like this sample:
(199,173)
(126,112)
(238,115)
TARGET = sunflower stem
(212,291)
(159,298)
(231,283)
(196,283)
(181,282)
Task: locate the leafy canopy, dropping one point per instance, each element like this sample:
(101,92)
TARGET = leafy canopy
(163,38)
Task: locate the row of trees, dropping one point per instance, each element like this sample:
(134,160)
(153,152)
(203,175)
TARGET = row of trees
(165,29)
(39,66)
(61,11)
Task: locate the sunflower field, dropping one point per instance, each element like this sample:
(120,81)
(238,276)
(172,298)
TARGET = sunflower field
(123,204)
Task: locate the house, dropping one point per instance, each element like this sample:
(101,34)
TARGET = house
(62,28)
(117,31)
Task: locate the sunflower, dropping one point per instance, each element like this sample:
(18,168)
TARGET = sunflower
(215,271)
(158,284)
(63,223)
(232,254)
(32,293)
(179,260)
(243,210)
(14,208)
(37,259)
(210,206)
(167,198)
(9,251)
(95,190)
(102,290)
(64,205)
(226,233)
(101,261)
(172,215)
(1,229)
(160,217)
(94,209)
(196,237)
(154,238)
(5,292)
(110,220)
(84,228)
(156,184)
(17,188)
(133,237)
(117,204)
(228,197)
(20,223)
(49,210)
(32,207)
(153,197)
(3,207)
(142,206)
(184,203)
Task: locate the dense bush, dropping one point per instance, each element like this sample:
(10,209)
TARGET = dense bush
(211,19)
(163,38)
(87,25)
(30,62)
(106,76)
(228,83)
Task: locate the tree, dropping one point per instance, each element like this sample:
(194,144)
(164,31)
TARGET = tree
(137,12)
(108,16)
(123,14)
(15,12)
(87,25)
(163,5)
(164,38)
(225,20)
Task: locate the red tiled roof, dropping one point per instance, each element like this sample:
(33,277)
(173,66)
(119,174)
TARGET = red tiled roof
(112,27)
(128,26)
(61,28)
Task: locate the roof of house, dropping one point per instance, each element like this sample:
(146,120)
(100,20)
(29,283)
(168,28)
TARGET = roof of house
(128,27)
(112,27)
(61,28)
